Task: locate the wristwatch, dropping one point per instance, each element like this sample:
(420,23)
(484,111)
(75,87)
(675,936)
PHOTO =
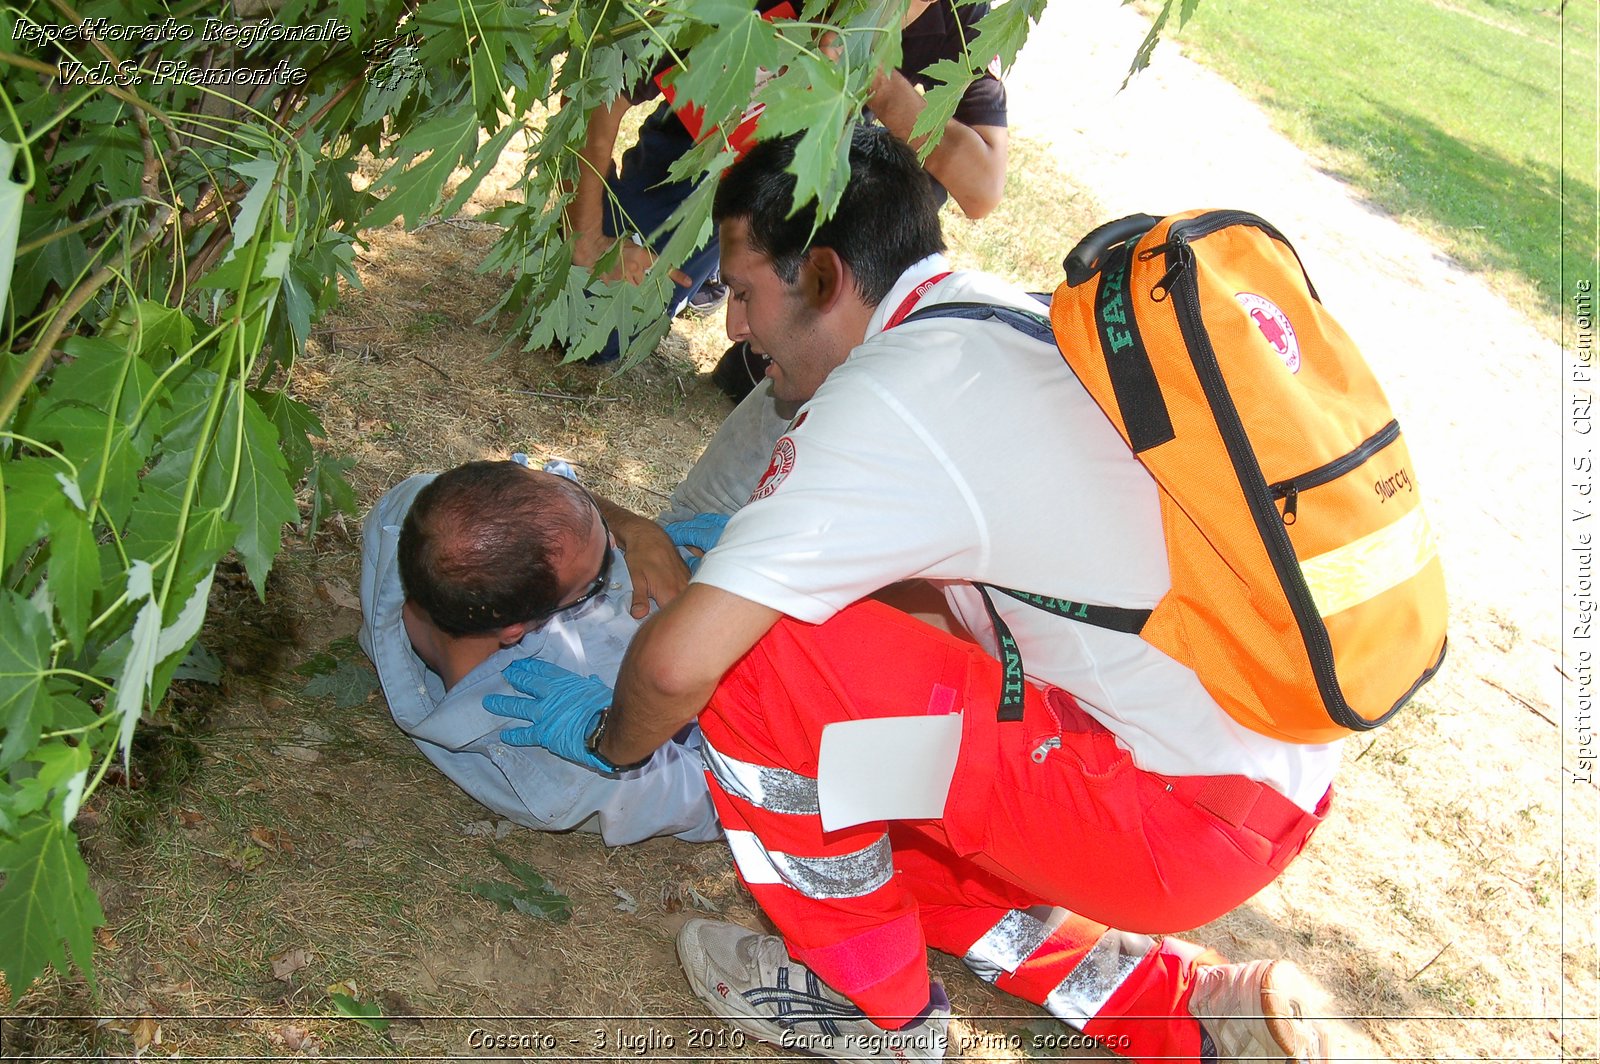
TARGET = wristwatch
(592,744)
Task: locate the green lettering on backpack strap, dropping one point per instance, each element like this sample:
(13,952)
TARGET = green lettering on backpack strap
(1115,310)
(1114,618)
(1133,379)
(1012,685)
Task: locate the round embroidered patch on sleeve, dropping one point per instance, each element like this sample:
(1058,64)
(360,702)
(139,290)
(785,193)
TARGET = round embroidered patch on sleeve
(782,462)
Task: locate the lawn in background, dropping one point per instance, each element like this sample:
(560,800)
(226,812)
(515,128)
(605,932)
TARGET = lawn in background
(1447,113)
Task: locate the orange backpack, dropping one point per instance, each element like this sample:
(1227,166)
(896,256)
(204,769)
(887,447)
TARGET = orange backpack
(1307,593)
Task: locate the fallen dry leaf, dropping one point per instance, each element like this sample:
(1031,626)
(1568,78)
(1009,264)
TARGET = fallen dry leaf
(338,592)
(272,839)
(347,987)
(300,1040)
(676,896)
(287,963)
(146,1032)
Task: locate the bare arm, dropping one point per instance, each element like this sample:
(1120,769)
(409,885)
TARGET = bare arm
(673,665)
(970,161)
(654,565)
(586,212)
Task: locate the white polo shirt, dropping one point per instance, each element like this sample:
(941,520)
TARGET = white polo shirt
(959,451)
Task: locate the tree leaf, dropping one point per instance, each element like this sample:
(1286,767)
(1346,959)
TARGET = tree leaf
(330,491)
(45,899)
(60,768)
(33,501)
(364,1012)
(262,171)
(349,685)
(720,74)
(447,138)
(73,569)
(11,196)
(263,500)
(488,157)
(139,659)
(199,664)
(534,898)
(24,656)
(814,100)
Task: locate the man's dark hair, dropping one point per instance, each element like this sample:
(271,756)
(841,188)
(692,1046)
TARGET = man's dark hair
(476,549)
(887,219)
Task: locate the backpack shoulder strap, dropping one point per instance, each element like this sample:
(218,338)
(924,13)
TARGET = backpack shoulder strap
(1024,321)
(1115,618)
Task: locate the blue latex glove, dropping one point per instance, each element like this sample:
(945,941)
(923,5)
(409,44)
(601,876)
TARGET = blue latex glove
(562,709)
(701,531)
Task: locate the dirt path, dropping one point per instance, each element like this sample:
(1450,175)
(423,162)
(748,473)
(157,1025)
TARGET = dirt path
(1475,384)
(1477,388)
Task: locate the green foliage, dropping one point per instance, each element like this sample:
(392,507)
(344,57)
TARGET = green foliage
(1147,47)
(366,1013)
(535,897)
(349,684)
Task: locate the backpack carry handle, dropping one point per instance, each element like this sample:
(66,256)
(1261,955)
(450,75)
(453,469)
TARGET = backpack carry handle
(1084,261)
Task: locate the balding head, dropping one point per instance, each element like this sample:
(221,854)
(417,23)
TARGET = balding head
(484,545)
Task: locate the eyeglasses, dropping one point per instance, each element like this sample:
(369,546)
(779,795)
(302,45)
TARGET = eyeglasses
(598,584)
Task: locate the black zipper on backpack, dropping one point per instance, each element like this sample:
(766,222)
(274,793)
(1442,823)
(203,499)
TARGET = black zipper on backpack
(1181,233)
(1181,283)
(1289,490)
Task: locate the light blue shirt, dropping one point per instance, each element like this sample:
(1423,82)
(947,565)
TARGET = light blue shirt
(525,784)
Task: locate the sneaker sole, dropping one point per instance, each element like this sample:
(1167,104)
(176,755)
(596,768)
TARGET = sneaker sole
(1283,990)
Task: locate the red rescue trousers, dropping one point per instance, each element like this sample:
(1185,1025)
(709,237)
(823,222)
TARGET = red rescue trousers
(1054,861)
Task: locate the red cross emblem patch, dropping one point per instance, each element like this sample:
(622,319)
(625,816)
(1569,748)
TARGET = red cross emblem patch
(1274,327)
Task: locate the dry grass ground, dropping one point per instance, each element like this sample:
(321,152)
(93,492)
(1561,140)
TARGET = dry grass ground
(297,846)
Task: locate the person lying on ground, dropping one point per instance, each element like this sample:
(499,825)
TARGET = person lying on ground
(492,563)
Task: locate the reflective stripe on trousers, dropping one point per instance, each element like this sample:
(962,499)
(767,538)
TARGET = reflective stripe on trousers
(1086,988)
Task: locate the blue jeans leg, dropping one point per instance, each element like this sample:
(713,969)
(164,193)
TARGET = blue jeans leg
(645,198)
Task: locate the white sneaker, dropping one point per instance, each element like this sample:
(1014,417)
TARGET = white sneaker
(1258,1012)
(750,980)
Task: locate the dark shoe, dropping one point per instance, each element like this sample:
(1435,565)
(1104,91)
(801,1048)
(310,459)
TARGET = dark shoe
(740,370)
(708,297)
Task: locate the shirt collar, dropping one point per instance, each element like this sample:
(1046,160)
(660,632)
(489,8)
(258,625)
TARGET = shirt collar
(914,275)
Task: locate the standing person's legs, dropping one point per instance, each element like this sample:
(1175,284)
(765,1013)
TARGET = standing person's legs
(1040,830)
(643,197)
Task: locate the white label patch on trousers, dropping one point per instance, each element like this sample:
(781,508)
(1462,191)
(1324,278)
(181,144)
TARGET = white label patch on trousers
(886,768)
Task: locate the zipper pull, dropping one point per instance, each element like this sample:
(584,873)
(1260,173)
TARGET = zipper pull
(1182,259)
(1291,500)
(1042,751)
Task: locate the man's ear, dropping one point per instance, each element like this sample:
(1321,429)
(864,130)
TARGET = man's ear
(827,278)
(512,634)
